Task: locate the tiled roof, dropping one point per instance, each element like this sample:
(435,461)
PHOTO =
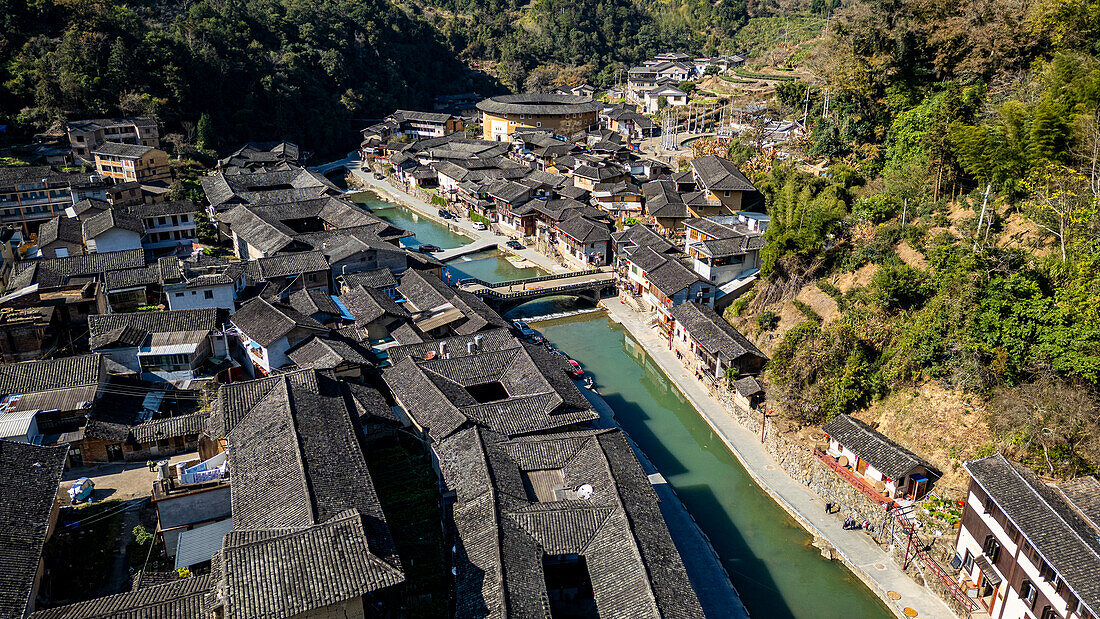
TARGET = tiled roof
(368,403)
(318,353)
(117,149)
(1049,520)
(57,271)
(265,322)
(504,528)
(535,392)
(713,333)
(265,187)
(378,278)
(893,460)
(370,304)
(672,277)
(62,229)
(310,301)
(285,573)
(34,376)
(162,209)
(182,599)
(102,327)
(171,427)
(286,265)
(112,219)
(720,174)
(584,230)
(29,479)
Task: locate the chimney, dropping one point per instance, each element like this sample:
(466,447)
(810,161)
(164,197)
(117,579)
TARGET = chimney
(443,349)
(471,348)
(477,341)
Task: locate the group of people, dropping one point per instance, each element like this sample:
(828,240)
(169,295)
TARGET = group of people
(850,523)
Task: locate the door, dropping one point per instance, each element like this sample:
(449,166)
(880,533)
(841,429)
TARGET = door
(76,458)
(114,452)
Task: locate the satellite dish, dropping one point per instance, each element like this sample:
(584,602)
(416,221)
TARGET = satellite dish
(584,492)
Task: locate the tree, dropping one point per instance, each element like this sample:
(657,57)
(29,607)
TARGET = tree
(712,69)
(204,133)
(1061,203)
(1052,421)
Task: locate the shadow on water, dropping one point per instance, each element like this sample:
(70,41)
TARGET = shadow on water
(768,556)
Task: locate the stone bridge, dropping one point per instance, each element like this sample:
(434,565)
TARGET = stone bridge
(590,285)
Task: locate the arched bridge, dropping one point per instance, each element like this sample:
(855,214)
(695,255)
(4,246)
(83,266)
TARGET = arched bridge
(590,285)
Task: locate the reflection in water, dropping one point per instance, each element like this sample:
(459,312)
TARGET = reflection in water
(767,554)
(427,230)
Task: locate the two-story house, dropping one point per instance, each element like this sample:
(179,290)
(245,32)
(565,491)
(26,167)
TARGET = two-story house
(722,183)
(268,330)
(87,135)
(129,162)
(1027,548)
(167,224)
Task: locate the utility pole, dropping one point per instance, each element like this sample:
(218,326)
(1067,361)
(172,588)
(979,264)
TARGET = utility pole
(806,108)
(904,211)
(981,218)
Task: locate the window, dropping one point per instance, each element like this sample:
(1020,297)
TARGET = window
(209,294)
(989,505)
(1048,613)
(1028,593)
(991,548)
(179,294)
(184,218)
(161,220)
(538,124)
(968,562)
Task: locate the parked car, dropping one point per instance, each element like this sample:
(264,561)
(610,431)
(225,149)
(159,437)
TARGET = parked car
(445,214)
(523,329)
(514,244)
(429,248)
(379,176)
(480,225)
(575,369)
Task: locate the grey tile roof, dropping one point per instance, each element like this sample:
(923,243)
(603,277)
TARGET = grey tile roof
(286,265)
(117,149)
(88,207)
(1066,540)
(713,333)
(538,395)
(102,327)
(887,456)
(164,209)
(58,271)
(29,479)
(113,219)
(539,103)
(639,235)
(378,278)
(289,572)
(171,427)
(368,403)
(720,174)
(223,190)
(318,353)
(672,277)
(584,230)
(502,532)
(265,322)
(310,301)
(182,599)
(49,374)
(61,229)
(369,304)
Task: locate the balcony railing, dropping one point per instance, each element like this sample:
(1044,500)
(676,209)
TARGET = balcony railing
(860,483)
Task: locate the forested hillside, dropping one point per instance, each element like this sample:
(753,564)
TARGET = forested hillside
(260,69)
(956,237)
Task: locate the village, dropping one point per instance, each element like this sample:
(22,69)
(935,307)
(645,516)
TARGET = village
(309,413)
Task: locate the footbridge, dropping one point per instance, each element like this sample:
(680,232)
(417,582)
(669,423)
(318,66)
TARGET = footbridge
(591,285)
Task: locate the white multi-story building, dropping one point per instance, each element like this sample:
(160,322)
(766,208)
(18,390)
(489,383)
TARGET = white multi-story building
(1028,549)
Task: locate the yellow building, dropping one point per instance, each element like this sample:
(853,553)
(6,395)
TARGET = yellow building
(562,114)
(123,163)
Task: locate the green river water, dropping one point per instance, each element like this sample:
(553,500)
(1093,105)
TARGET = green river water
(768,556)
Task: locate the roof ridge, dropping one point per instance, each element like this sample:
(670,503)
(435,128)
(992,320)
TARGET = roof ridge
(1057,514)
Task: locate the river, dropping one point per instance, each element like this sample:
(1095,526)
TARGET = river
(767,554)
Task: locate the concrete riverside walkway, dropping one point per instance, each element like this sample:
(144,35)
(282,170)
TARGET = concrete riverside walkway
(862,556)
(708,577)
(485,239)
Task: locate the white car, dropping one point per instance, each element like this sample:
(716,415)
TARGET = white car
(480,225)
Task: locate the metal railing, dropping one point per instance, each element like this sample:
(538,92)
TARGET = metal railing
(931,564)
(529,280)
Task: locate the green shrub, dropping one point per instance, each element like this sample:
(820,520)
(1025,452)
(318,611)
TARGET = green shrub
(767,321)
(807,311)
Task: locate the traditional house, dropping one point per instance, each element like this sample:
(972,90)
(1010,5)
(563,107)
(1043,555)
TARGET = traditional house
(225,191)
(287,272)
(169,345)
(167,224)
(585,242)
(723,184)
(185,597)
(268,330)
(25,334)
(111,231)
(713,344)
(438,310)
(335,355)
(662,97)
(1026,547)
(890,469)
(60,237)
(306,517)
(375,313)
(261,157)
(725,251)
(489,380)
(130,162)
(85,136)
(525,527)
(666,206)
(64,391)
(30,477)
